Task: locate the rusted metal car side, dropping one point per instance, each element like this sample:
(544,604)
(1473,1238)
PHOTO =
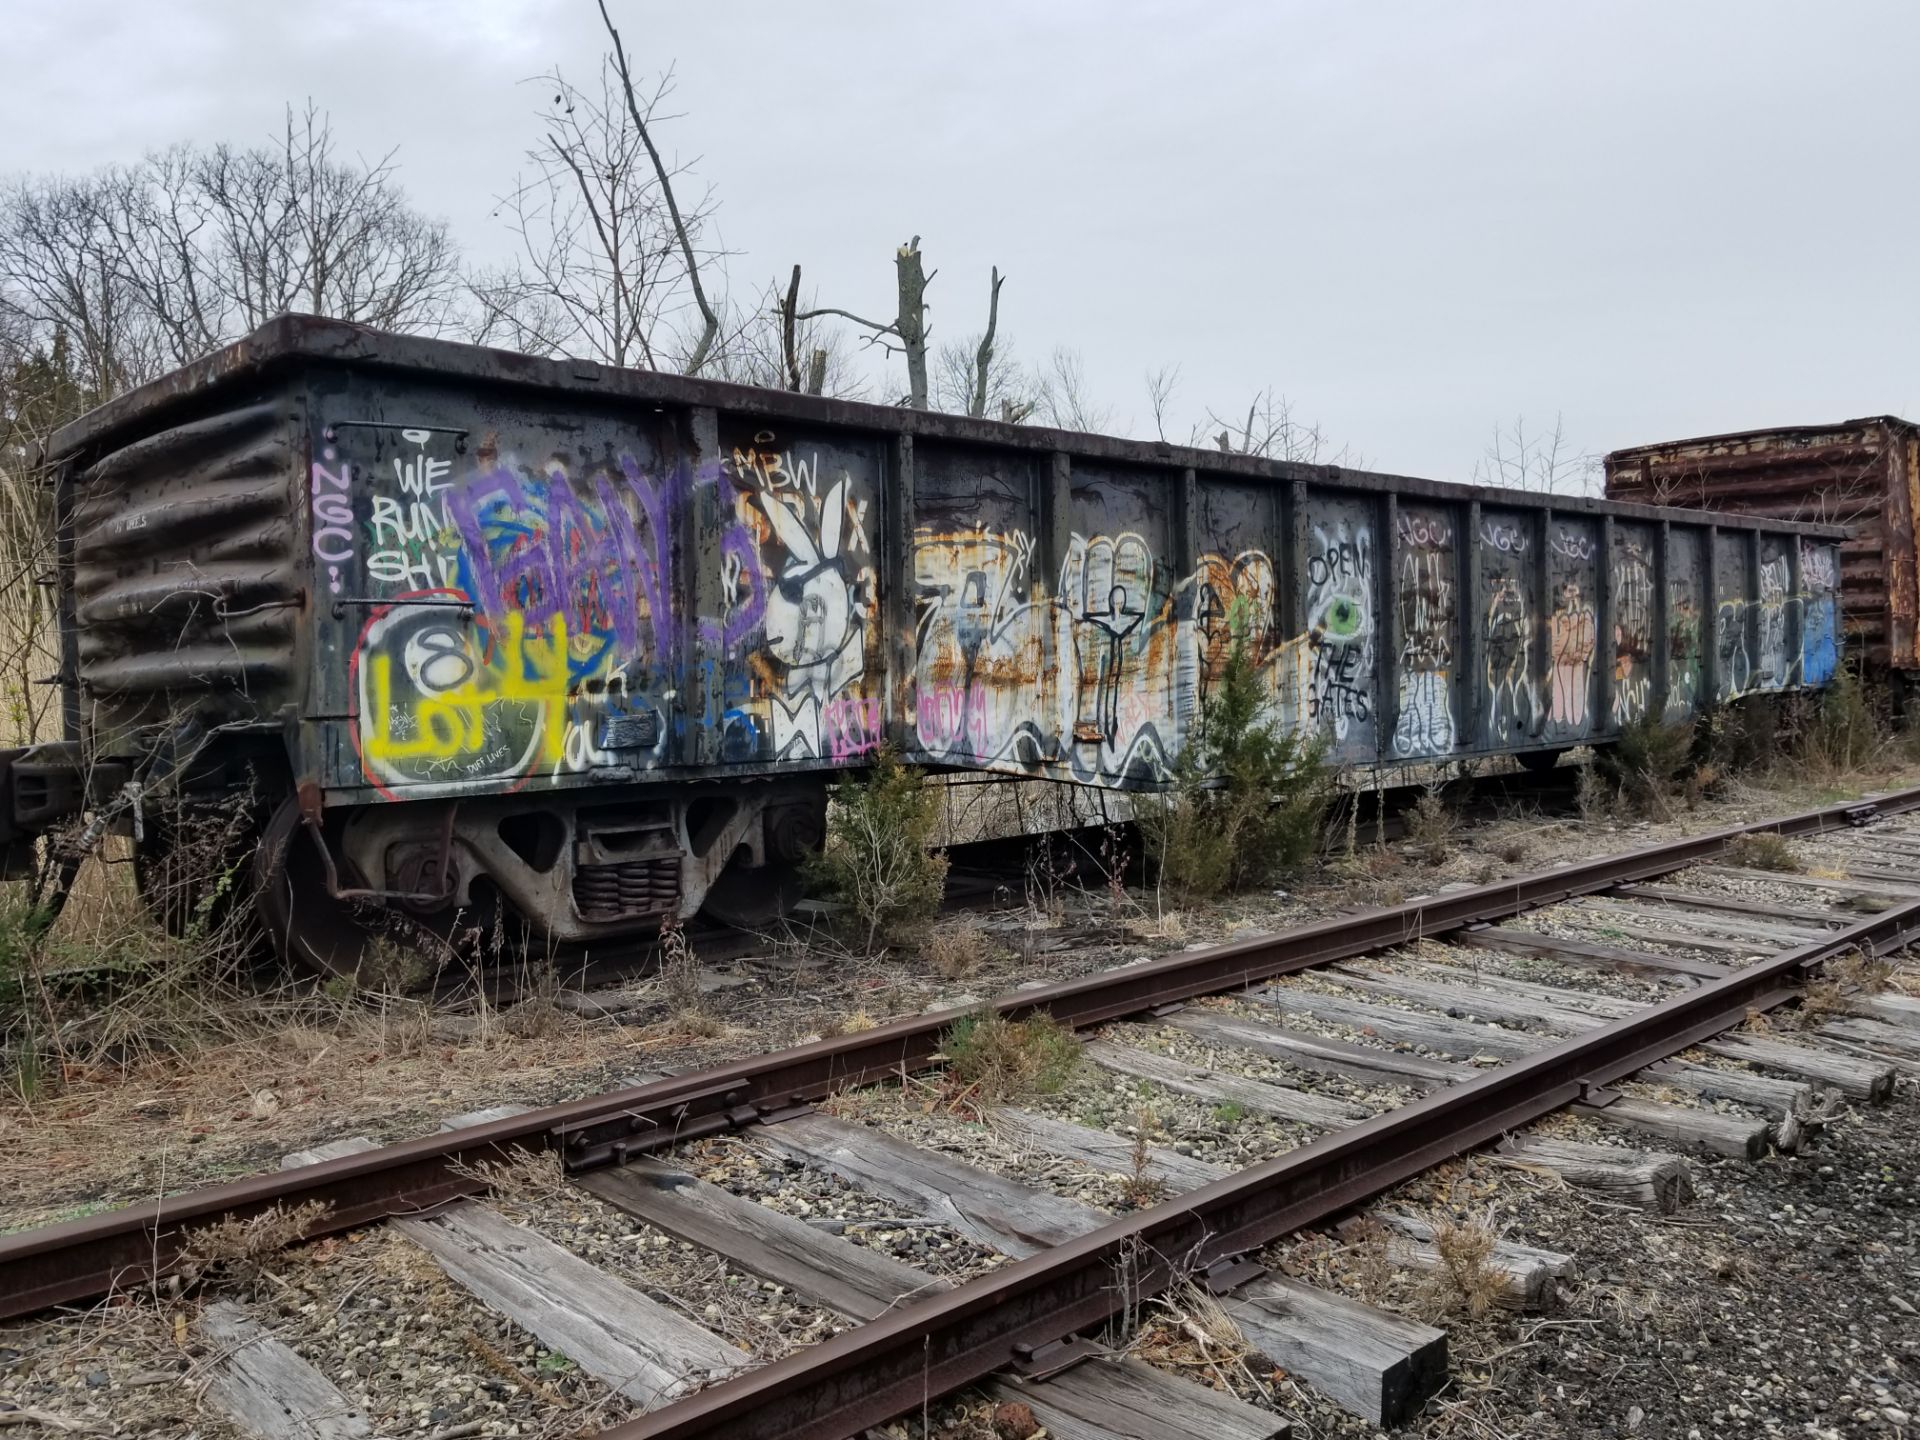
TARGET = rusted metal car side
(1861,474)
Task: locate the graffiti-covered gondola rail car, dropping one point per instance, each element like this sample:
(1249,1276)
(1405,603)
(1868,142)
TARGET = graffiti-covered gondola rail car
(474,630)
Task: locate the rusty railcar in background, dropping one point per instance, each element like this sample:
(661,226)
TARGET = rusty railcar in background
(463,633)
(1863,474)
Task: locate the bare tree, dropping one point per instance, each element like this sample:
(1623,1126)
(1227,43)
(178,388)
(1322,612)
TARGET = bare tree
(979,375)
(983,354)
(62,274)
(1270,430)
(790,343)
(609,266)
(710,322)
(1518,460)
(1063,400)
(143,267)
(1161,385)
(1006,390)
(218,242)
(39,391)
(772,346)
(905,334)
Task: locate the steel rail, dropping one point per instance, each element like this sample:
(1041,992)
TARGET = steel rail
(889,1367)
(80,1259)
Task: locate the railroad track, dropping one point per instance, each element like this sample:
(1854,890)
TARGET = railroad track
(1385,1042)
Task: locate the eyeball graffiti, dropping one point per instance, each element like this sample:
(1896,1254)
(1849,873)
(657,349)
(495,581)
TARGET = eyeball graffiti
(1340,627)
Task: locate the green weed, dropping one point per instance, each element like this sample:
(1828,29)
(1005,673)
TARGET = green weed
(1248,800)
(878,859)
(992,1059)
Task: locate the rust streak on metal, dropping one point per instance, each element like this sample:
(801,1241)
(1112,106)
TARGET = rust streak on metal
(1862,473)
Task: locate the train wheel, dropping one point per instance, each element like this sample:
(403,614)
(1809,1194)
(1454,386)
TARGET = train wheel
(1538,762)
(317,930)
(755,899)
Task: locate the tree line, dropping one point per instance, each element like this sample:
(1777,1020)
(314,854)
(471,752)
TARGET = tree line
(110,279)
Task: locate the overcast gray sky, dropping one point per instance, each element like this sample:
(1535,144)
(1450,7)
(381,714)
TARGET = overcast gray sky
(1414,219)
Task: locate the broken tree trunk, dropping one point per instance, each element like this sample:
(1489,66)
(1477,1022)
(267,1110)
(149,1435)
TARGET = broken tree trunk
(912,324)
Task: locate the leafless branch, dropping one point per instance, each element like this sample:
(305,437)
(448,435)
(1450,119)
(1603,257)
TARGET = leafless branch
(1518,460)
(1062,398)
(1271,431)
(1161,384)
(983,358)
(765,345)
(712,330)
(874,325)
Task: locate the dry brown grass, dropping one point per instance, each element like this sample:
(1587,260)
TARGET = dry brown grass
(233,1251)
(1432,826)
(1764,850)
(956,948)
(1843,980)
(1373,1255)
(1466,1281)
(527,1179)
(851,1023)
(680,977)
(1142,1187)
(387,1069)
(1168,925)
(1516,850)
(1190,1330)
(1593,797)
